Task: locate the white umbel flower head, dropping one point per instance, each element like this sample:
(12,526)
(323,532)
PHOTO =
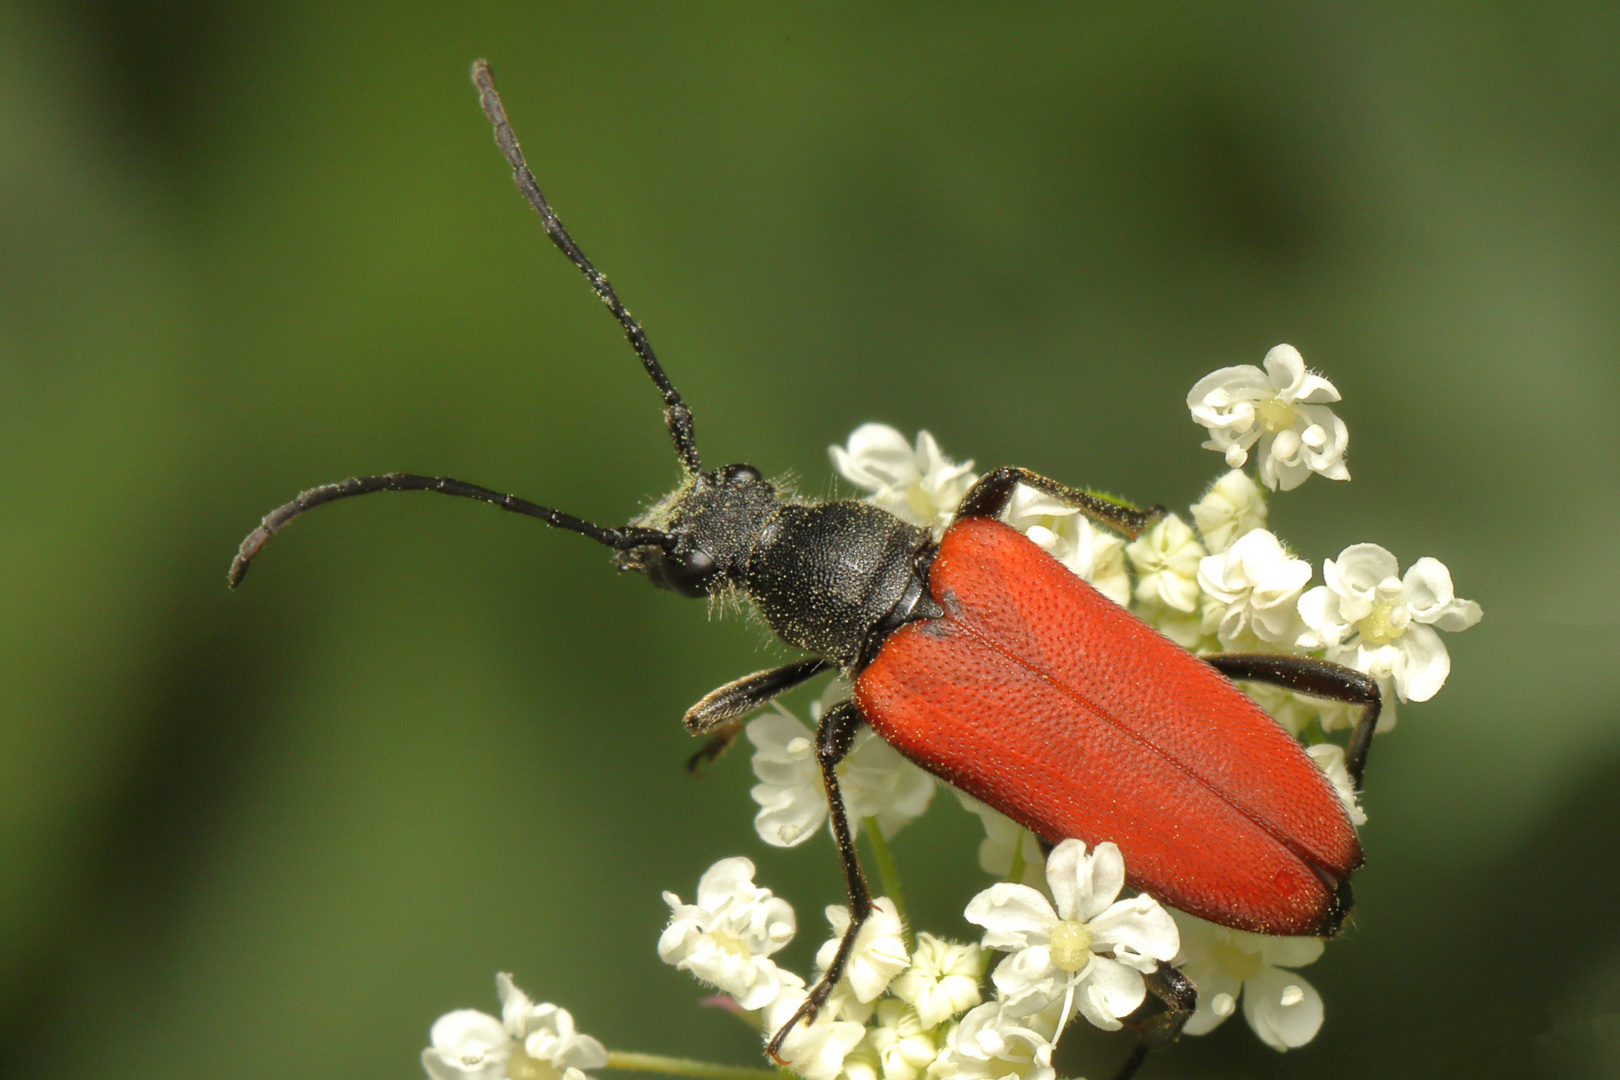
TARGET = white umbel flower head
(1094,554)
(1258,583)
(1282,1008)
(1232,506)
(726,939)
(1374,621)
(875,781)
(1283,408)
(1166,558)
(1083,948)
(914,483)
(943,980)
(879,953)
(815,1051)
(529,1042)
(992,1044)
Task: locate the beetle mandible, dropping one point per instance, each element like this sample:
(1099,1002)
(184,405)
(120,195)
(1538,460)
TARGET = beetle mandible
(988,663)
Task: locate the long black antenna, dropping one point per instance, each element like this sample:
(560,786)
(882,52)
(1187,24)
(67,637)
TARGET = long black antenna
(676,415)
(282,516)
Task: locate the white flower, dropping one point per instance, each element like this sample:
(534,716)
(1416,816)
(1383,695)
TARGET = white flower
(1002,838)
(879,953)
(992,1044)
(1091,951)
(1231,507)
(943,980)
(1282,1008)
(1330,759)
(727,937)
(898,1047)
(875,781)
(1095,555)
(1282,409)
(552,1049)
(815,1051)
(529,1042)
(917,484)
(1166,559)
(467,1045)
(1259,583)
(1375,622)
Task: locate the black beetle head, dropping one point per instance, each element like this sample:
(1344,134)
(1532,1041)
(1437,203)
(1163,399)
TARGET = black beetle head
(709,526)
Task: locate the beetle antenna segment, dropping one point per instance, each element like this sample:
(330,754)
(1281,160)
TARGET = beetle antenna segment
(676,414)
(282,516)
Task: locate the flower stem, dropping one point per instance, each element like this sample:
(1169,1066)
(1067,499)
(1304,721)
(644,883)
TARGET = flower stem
(674,1066)
(887,875)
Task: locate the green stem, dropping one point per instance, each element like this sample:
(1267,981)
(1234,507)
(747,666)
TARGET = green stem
(673,1066)
(887,875)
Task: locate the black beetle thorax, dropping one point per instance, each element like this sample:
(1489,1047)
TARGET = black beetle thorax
(824,577)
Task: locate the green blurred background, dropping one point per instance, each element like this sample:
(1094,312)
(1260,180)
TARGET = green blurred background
(245,249)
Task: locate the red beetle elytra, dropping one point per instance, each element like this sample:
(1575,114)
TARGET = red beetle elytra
(988,663)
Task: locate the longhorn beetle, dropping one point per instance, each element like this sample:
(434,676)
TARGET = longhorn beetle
(988,663)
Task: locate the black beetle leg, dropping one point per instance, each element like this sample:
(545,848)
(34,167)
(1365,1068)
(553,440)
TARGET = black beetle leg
(1319,678)
(721,711)
(1180,999)
(834,736)
(989,497)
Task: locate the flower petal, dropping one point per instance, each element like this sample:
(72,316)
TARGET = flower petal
(1360,568)
(1424,664)
(1212,981)
(1285,371)
(1014,916)
(1108,991)
(1282,1008)
(1139,931)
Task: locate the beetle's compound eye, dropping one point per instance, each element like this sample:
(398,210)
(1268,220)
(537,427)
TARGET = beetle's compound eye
(688,573)
(739,474)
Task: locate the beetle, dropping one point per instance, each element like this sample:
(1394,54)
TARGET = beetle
(987,662)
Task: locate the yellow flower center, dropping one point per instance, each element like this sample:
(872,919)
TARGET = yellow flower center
(1070,946)
(1376,629)
(1239,963)
(732,944)
(1275,414)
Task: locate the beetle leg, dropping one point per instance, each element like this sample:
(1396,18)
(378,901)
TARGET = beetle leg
(834,736)
(1180,999)
(1319,678)
(720,713)
(989,497)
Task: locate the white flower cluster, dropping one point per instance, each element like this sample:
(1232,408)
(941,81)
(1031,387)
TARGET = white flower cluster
(1281,408)
(909,1010)
(1223,583)
(893,1015)
(528,1042)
